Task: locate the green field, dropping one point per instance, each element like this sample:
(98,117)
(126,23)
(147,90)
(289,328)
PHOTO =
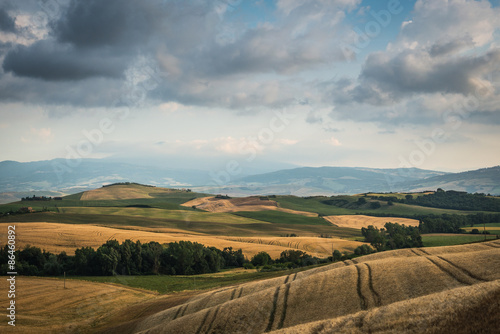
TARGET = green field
(430,240)
(182,215)
(492,228)
(169,284)
(252,228)
(314,204)
(278,217)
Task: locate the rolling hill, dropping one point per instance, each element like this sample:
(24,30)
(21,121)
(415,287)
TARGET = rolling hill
(62,176)
(308,181)
(436,289)
(432,290)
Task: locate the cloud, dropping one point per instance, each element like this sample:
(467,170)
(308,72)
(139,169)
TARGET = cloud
(431,55)
(7,23)
(437,20)
(257,67)
(35,135)
(332,141)
(50,61)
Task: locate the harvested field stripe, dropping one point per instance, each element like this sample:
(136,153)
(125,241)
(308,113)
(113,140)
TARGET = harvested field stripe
(285,305)
(241,291)
(443,269)
(294,277)
(362,298)
(414,252)
(345,262)
(491,245)
(465,271)
(287,278)
(273,310)
(376,296)
(354,261)
(425,252)
(213,319)
(184,311)
(203,321)
(178,311)
(233,294)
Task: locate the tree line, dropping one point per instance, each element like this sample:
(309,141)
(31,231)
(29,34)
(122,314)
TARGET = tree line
(175,258)
(446,223)
(456,200)
(127,258)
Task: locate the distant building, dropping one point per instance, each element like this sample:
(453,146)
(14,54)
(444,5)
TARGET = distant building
(26,209)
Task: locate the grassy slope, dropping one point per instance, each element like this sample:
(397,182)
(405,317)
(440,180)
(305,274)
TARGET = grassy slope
(168,284)
(278,217)
(344,289)
(433,240)
(314,205)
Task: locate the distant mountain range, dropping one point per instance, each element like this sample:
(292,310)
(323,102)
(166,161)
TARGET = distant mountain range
(59,176)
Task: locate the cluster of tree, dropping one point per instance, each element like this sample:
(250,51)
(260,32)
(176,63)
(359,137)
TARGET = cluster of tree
(457,200)
(393,236)
(128,258)
(446,223)
(38,198)
(219,196)
(344,203)
(288,259)
(476,231)
(127,184)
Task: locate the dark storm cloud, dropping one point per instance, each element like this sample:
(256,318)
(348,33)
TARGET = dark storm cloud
(49,61)
(417,72)
(96,23)
(385,80)
(7,23)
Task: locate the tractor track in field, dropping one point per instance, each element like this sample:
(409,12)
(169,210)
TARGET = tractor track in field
(285,305)
(463,270)
(362,298)
(448,272)
(205,318)
(376,296)
(273,310)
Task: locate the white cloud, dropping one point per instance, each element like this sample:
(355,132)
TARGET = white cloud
(332,141)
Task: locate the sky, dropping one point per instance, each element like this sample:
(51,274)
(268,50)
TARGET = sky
(225,83)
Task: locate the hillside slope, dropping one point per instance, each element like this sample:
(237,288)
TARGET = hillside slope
(405,290)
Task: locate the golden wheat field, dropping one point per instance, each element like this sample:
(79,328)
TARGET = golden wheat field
(44,305)
(392,294)
(118,192)
(252,203)
(436,290)
(359,221)
(56,237)
(307,244)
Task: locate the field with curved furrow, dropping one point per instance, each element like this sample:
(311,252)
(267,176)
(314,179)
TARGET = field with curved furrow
(56,237)
(400,289)
(359,221)
(310,245)
(129,191)
(252,203)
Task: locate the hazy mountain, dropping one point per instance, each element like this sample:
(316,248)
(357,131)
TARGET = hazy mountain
(61,176)
(306,181)
(485,180)
(20,179)
(73,175)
